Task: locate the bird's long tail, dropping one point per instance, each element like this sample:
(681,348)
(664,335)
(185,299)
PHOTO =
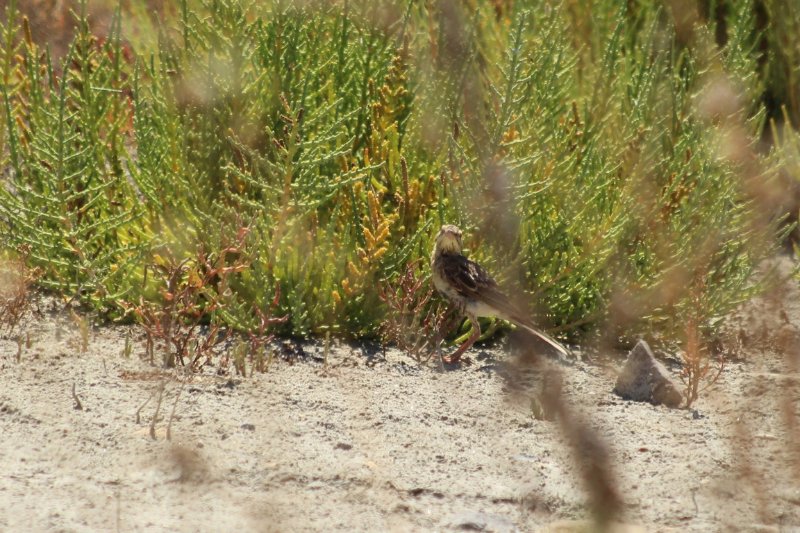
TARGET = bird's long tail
(560,348)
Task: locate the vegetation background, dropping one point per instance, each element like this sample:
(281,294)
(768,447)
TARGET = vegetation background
(222,171)
(283,166)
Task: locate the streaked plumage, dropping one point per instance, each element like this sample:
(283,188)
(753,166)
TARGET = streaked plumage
(470,287)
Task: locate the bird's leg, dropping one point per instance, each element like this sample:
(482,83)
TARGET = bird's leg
(476,333)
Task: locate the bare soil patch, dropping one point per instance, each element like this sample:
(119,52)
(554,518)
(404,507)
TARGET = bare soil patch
(371,441)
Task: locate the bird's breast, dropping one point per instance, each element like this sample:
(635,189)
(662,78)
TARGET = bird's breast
(441,285)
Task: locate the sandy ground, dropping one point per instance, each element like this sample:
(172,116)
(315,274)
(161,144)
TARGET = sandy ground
(372,441)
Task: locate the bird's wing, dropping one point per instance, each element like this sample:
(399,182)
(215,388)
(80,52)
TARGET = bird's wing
(467,277)
(472,281)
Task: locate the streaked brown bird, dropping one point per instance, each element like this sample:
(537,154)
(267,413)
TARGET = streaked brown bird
(468,286)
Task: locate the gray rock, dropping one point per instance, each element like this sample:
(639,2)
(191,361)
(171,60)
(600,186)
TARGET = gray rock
(643,379)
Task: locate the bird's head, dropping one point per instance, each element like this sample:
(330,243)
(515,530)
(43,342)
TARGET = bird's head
(449,239)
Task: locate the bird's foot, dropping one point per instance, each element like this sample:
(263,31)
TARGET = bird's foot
(457,358)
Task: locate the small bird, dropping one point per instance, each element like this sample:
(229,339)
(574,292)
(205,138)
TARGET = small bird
(467,285)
